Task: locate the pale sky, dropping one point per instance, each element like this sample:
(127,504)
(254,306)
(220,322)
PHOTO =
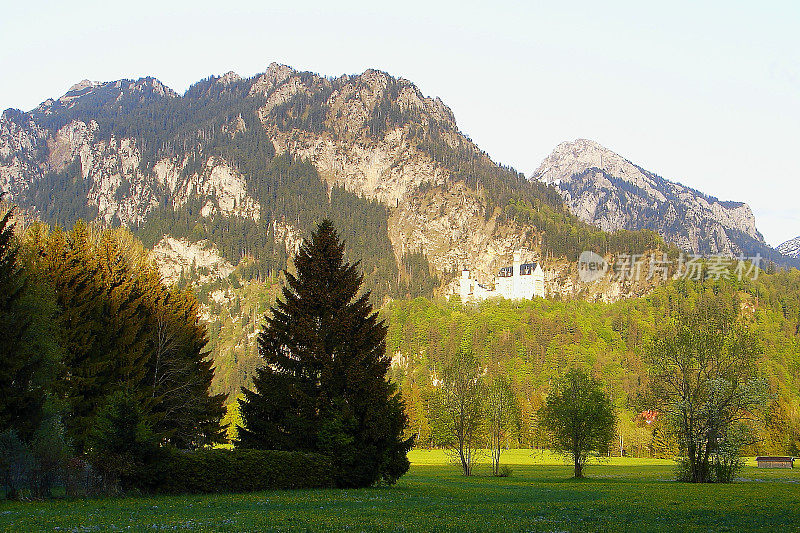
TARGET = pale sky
(704,93)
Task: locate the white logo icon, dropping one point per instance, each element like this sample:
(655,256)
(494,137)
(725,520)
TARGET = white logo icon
(591,267)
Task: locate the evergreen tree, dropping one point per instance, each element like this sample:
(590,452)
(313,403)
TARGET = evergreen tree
(20,399)
(120,440)
(323,387)
(123,316)
(74,274)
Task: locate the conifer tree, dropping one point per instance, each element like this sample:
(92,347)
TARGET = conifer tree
(123,317)
(74,274)
(21,398)
(323,387)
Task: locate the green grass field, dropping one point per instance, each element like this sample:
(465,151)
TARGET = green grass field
(619,495)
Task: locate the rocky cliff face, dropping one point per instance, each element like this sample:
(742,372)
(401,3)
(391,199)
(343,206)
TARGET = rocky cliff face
(343,132)
(430,212)
(197,261)
(603,188)
(111,173)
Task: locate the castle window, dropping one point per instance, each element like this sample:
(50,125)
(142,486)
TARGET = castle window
(527,269)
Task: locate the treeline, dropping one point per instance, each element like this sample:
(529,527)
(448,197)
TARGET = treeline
(102,363)
(162,125)
(532,343)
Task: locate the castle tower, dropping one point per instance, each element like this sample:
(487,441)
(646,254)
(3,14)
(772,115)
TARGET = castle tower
(464,285)
(516,279)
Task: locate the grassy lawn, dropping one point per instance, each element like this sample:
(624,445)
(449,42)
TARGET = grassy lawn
(619,495)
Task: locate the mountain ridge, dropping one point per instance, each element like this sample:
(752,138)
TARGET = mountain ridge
(247,163)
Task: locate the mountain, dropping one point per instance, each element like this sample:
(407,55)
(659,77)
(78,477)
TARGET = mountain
(603,188)
(223,181)
(790,248)
(249,166)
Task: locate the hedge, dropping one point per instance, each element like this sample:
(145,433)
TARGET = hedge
(238,470)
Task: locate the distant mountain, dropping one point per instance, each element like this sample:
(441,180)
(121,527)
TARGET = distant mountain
(605,189)
(790,248)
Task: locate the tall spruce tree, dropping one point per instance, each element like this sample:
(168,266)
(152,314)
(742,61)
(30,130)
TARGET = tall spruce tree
(12,324)
(74,273)
(323,386)
(21,397)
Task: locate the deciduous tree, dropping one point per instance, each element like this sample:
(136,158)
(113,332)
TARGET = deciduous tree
(460,410)
(500,408)
(579,416)
(703,372)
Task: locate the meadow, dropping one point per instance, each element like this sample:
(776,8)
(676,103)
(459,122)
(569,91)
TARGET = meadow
(619,494)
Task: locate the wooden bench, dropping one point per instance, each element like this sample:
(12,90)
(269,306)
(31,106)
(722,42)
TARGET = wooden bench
(775,462)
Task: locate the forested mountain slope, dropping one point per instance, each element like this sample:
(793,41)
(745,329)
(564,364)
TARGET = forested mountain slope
(251,164)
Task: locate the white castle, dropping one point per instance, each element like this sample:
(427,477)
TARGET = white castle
(521,281)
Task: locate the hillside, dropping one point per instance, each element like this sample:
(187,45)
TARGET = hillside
(251,165)
(533,342)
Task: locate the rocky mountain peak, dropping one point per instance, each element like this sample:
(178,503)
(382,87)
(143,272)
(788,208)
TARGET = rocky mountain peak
(275,75)
(99,93)
(603,188)
(228,78)
(574,158)
(148,85)
(82,85)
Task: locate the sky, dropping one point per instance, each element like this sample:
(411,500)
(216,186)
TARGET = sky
(703,93)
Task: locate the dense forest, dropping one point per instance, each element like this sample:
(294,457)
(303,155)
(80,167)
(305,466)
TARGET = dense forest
(532,342)
(97,352)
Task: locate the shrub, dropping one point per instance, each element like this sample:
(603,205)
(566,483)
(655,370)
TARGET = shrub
(51,452)
(120,442)
(504,471)
(80,479)
(16,464)
(220,470)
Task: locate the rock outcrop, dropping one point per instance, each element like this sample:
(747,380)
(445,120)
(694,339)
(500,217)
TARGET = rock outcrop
(198,261)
